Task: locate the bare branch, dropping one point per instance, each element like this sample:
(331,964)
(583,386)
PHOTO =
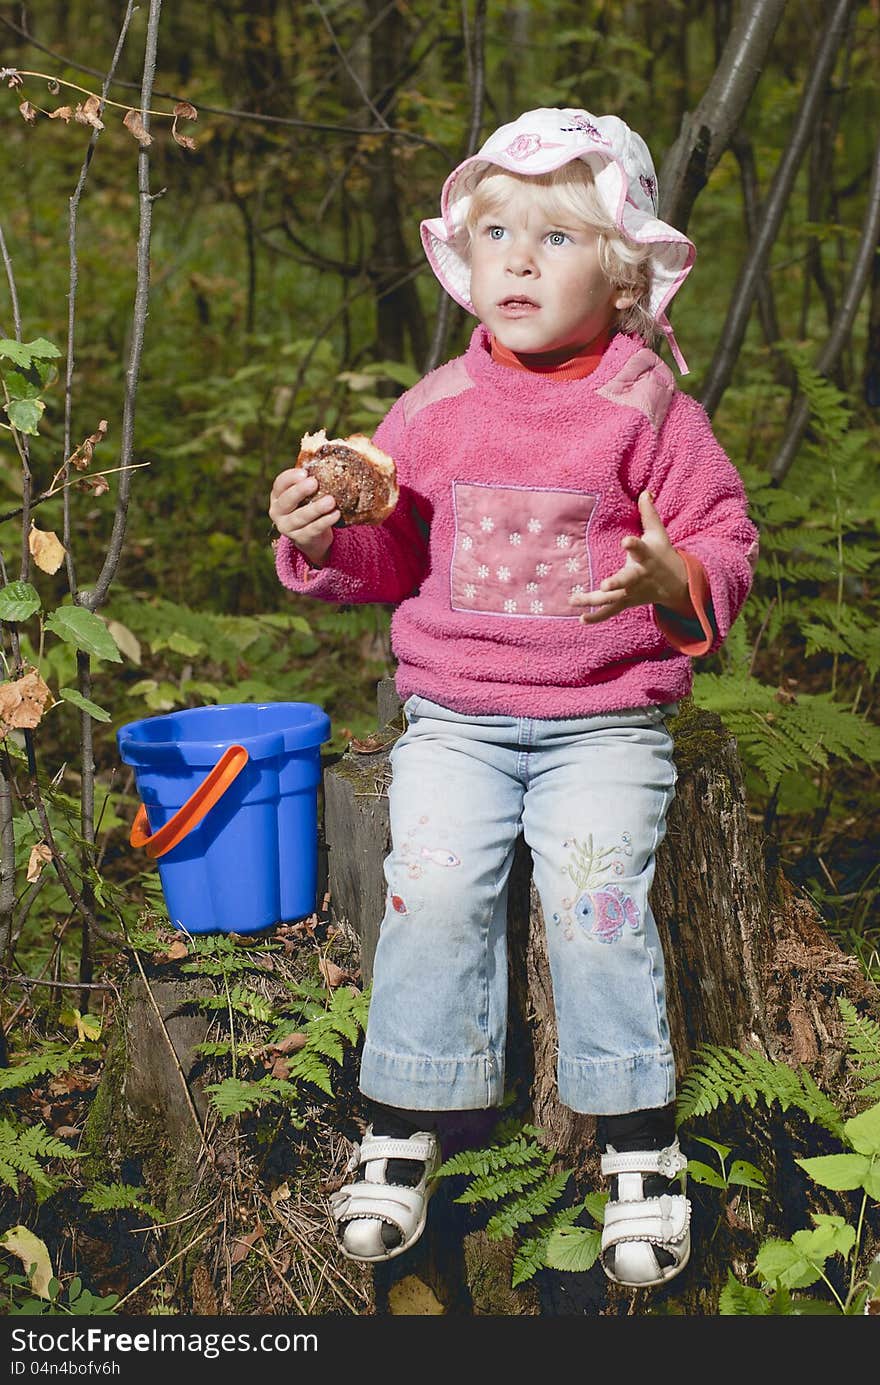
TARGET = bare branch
(749,280)
(97,597)
(860,269)
(706,133)
(477,74)
(71,298)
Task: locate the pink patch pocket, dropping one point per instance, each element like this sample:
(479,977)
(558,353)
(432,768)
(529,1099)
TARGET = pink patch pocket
(520,551)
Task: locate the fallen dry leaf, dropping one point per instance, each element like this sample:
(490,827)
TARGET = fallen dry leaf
(244,1244)
(22,702)
(28,111)
(64,113)
(412,1297)
(280,1069)
(332,974)
(291,1043)
(134,122)
(66,1132)
(177,950)
(280,1194)
(40,856)
(370,745)
(46,548)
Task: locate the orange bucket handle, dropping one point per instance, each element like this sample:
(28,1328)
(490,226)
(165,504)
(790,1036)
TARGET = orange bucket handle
(196,807)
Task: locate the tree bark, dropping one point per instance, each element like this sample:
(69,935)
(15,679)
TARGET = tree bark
(748,965)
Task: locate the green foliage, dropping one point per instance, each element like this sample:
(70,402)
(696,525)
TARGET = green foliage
(21,1151)
(52,1058)
(514,1172)
(724,1074)
(779,734)
(863,1040)
(116,1197)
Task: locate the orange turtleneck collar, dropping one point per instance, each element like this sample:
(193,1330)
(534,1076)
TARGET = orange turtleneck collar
(576,368)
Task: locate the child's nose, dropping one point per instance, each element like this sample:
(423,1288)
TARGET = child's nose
(520,259)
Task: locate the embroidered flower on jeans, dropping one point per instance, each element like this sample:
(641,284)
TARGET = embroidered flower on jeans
(603,913)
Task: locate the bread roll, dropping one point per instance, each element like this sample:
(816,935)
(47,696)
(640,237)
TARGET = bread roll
(361,478)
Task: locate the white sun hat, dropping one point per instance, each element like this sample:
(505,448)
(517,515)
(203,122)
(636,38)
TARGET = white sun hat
(623,171)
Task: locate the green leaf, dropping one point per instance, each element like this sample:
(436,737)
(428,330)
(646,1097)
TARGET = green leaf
(23,352)
(25,414)
(71,695)
(702,1173)
(779,1262)
(837,1171)
(863,1132)
(871,1182)
(594,1203)
(831,1236)
(745,1175)
(574,1248)
(77,626)
(722,1150)
(18,600)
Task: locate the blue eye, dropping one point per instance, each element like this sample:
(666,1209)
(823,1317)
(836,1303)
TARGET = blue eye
(557,237)
(495,232)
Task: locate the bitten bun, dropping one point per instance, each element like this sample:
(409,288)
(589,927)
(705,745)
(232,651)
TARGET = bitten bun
(361,478)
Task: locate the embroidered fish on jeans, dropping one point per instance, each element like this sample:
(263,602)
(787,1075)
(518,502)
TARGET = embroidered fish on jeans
(440,856)
(605,912)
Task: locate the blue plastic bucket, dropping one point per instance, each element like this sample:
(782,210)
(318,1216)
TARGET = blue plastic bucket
(249,859)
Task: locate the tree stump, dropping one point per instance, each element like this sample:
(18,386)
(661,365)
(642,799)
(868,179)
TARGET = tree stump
(748,965)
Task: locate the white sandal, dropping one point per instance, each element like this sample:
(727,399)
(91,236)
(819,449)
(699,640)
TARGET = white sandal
(361,1209)
(635,1224)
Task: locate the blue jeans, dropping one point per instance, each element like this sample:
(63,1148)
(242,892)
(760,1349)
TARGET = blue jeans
(590,795)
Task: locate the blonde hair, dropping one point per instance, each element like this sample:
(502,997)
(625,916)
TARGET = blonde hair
(570,192)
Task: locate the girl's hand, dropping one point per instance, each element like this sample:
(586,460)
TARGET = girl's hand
(307,523)
(653,574)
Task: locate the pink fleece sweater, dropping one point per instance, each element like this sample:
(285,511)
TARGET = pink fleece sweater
(516,490)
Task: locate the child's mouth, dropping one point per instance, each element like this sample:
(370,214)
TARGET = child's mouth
(517,307)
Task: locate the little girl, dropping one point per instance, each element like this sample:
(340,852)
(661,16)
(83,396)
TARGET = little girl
(569,532)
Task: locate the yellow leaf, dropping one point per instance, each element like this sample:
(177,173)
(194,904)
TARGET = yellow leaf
(412,1297)
(34,1256)
(47,550)
(88,1027)
(280,1194)
(128,643)
(40,856)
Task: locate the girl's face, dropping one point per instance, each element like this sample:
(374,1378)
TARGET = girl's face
(536,282)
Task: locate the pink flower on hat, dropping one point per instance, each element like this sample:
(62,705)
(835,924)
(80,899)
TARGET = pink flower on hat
(525,145)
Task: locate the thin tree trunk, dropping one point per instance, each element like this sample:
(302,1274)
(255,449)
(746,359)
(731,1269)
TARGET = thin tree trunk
(748,283)
(706,133)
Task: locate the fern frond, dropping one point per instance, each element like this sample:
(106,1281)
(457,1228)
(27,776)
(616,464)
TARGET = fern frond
(532,1254)
(21,1152)
(116,1197)
(54,1059)
(232,1096)
(494,1187)
(527,1207)
(725,1074)
(863,1041)
(494,1158)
